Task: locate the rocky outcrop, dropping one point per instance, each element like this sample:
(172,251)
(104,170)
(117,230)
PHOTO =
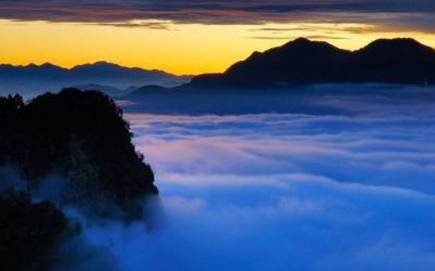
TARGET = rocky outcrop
(79,135)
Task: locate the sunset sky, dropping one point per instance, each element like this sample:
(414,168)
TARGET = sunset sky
(192,37)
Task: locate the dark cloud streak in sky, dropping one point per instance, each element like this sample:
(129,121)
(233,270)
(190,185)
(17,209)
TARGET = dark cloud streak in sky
(414,14)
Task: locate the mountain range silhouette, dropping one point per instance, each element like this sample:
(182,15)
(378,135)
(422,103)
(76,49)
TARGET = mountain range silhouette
(396,61)
(298,62)
(100,69)
(36,79)
(287,79)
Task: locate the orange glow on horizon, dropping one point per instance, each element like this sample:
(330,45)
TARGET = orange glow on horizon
(179,49)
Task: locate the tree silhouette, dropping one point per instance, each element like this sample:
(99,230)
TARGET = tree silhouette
(80,135)
(28,232)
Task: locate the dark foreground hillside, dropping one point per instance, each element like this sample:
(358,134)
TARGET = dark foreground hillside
(82,140)
(80,136)
(29,232)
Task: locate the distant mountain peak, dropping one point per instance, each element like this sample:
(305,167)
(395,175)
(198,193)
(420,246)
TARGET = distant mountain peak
(103,63)
(396,44)
(97,65)
(306,43)
(298,41)
(30,65)
(48,64)
(302,40)
(396,41)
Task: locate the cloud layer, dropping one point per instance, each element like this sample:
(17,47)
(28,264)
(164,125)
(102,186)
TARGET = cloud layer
(398,13)
(276,192)
(285,191)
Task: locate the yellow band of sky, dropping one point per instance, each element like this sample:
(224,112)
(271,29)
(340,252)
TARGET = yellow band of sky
(178,48)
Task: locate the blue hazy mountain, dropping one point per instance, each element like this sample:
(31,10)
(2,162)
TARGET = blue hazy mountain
(109,90)
(33,79)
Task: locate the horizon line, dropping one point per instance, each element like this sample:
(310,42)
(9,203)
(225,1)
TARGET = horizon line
(148,69)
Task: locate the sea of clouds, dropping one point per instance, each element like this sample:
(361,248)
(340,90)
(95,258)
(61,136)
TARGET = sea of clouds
(277,191)
(282,192)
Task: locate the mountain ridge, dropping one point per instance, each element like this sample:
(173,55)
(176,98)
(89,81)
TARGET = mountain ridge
(35,79)
(75,67)
(302,61)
